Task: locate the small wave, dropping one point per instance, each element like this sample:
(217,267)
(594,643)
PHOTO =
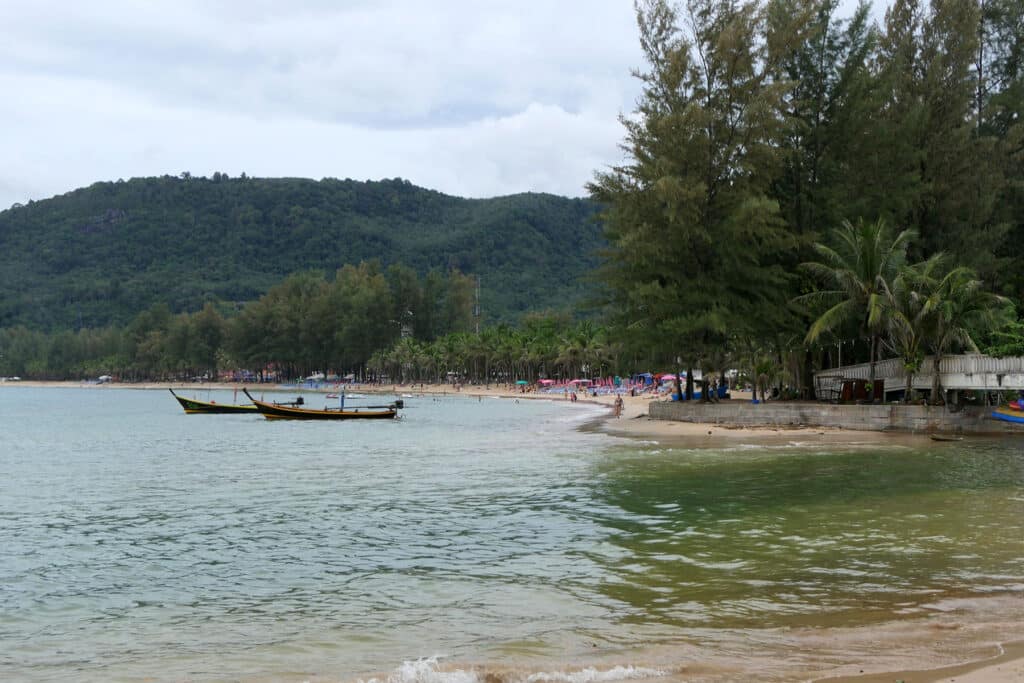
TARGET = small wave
(426,670)
(590,675)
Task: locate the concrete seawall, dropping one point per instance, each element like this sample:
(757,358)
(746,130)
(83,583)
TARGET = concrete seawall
(884,417)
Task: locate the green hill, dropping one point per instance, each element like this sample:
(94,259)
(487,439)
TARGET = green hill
(101,254)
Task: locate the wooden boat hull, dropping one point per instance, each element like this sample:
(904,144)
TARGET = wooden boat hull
(194,407)
(1007,416)
(273,411)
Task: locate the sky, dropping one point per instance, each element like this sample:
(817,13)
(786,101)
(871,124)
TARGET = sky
(475,98)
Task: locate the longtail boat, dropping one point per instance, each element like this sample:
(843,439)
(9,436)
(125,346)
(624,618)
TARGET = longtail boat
(946,437)
(195,407)
(276,411)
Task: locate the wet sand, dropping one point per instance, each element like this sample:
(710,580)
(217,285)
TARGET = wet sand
(1006,665)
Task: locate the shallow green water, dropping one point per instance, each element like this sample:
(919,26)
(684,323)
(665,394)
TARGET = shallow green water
(138,541)
(783,536)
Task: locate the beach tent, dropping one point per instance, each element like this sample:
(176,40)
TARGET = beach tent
(546,382)
(580,381)
(521,381)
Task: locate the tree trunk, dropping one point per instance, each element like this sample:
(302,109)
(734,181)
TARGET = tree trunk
(936,380)
(689,383)
(871,370)
(909,388)
(806,380)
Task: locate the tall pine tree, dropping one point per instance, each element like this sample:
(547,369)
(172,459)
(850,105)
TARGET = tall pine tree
(942,175)
(695,237)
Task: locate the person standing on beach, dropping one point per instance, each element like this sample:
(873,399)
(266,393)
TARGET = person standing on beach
(618,406)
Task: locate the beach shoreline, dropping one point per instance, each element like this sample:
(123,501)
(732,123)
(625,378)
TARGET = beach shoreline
(1003,665)
(633,422)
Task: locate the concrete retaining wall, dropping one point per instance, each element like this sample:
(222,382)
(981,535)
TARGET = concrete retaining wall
(885,417)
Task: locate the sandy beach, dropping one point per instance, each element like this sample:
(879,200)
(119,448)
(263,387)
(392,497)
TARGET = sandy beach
(1000,663)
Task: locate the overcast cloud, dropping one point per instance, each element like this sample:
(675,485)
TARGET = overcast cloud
(473,98)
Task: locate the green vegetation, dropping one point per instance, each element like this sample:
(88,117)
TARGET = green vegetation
(100,255)
(925,306)
(857,274)
(543,346)
(303,325)
(699,242)
(771,134)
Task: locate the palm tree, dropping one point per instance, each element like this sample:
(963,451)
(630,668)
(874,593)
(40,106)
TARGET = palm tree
(912,302)
(857,273)
(767,371)
(961,307)
(570,356)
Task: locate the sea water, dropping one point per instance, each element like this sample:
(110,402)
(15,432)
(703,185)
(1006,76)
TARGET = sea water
(478,537)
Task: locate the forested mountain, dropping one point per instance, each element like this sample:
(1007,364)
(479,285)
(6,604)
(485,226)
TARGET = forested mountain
(99,255)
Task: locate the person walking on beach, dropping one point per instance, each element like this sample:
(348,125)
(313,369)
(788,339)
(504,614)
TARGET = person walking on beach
(618,406)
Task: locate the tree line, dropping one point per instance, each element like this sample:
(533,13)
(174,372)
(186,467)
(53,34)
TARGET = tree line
(307,323)
(764,127)
(543,346)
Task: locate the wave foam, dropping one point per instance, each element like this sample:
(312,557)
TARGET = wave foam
(591,675)
(426,670)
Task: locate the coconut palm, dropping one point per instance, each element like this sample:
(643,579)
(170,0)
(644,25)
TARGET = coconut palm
(857,273)
(962,308)
(913,297)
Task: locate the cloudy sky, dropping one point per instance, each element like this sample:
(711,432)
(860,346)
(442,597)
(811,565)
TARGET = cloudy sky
(471,97)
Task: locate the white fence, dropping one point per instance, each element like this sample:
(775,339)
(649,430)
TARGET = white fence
(963,372)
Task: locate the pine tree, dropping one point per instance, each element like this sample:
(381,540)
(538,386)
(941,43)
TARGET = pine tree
(937,173)
(695,236)
(826,112)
